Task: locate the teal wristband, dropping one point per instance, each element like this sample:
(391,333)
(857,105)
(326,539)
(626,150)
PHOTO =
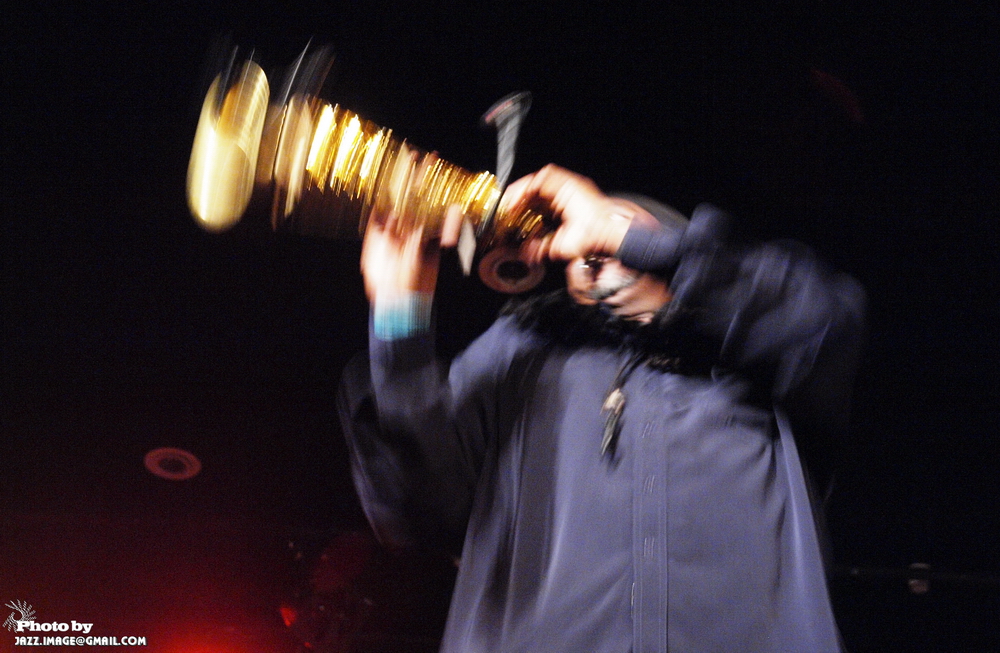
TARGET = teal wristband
(402,317)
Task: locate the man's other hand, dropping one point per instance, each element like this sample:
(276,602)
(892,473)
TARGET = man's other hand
(591,223)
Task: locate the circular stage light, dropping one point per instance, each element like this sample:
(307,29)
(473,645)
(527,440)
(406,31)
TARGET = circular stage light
(172,464)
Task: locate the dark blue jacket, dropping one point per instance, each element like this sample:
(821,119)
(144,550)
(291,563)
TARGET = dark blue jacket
(697,533)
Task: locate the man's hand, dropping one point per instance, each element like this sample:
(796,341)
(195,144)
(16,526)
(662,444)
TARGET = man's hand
(395,263)
(398,261)
(398,258)
(591,222)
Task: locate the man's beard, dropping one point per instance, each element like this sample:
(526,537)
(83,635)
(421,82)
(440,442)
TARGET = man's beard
(607,285)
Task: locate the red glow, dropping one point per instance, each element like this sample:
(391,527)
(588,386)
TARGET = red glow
(205,648)
(205,639)
(289,615)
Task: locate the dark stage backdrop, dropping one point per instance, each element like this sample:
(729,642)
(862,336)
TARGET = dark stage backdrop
(867,130)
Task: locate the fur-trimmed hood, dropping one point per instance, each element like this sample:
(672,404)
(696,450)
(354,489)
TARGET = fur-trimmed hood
(670,342)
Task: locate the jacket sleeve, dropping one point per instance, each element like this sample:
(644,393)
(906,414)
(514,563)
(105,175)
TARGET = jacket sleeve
(418,429)
(779,314)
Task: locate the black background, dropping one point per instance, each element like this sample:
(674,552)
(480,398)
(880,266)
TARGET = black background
(126,327)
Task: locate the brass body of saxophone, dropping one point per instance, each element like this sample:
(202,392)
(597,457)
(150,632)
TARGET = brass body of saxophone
(324,170)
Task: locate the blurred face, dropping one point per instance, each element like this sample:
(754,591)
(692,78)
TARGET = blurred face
(625,292)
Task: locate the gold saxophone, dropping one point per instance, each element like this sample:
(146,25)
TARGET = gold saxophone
(324,170)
